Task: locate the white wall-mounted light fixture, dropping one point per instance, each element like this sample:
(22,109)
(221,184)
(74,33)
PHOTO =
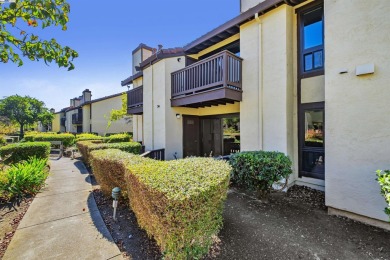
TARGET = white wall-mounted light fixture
(178,116)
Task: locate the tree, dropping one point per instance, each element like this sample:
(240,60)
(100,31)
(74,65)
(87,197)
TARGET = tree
(23,15)
(22,110)
(117,114)
(46,117)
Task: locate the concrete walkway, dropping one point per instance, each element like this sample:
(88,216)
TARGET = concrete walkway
(63,221)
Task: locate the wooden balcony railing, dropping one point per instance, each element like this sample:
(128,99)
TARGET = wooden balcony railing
(158,154)
(220,71)
(62,121)
(135,101)
(77,119)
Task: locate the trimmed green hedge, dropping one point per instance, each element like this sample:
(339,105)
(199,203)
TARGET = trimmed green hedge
(384,181)
(85,148)
(2,141)
(88,137)
(179,202)
(66,139)
(117,138)
(14,153)
(259,170)
(109,169)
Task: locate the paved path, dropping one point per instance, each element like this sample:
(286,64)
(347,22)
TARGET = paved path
(63,222)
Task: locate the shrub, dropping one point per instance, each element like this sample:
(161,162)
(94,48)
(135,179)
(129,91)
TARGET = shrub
(2,141)
(66,139)
(85,147)
(118,138)
(24,178)
(384,181)
(179,202)
(87,137)
(258,170)
(109,169)
(14,153)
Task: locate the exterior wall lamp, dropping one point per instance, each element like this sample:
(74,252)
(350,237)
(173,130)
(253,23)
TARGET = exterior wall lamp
(178,116)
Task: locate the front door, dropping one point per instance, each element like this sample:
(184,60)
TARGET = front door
(312,140)
(211,136)
(191,136)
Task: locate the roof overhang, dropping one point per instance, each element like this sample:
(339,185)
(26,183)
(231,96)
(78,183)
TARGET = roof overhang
(232,27)
(130,79)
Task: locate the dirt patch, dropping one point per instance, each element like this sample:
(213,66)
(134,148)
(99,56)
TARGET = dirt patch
(292,225)
(132,241)
(11,213)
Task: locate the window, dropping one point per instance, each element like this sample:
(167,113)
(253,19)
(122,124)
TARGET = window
(312,144)
(312,39)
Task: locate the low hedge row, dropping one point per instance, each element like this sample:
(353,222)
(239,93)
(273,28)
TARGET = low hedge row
(118,138)
(87,137)
(14,153)
(85,148)
(109,169)
(66,139)
(259,170)
(178,202)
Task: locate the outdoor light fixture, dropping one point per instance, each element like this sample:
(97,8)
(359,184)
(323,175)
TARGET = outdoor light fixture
(178,116)
(115,195)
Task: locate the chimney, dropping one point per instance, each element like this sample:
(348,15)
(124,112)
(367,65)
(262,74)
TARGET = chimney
(77,102)
(52,110)
(72,102)
(87,95)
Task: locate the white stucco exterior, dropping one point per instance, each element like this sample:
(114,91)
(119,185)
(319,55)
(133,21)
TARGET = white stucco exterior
(357,126)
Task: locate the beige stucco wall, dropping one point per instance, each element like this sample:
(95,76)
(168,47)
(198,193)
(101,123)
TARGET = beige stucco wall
(138,128)
(86,118)
(136,60)
(247,4)
(357,124)
(137,82)
(313,89)
(68,123)
(55,123)
(266,118)
(100,114)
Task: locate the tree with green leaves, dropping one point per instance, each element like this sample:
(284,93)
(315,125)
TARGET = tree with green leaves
(17,22)
(117,114)
(46,117)
(22,110)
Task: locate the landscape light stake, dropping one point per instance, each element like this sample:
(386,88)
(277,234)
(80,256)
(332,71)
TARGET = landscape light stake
(115,195)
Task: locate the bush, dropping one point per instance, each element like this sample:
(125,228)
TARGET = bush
(2,141)
(14,153)
(384,181)
(85,147)
(24,178)
(179,202)
(88,137)
(118,138)
(66,139)
(259,170)
(109,169)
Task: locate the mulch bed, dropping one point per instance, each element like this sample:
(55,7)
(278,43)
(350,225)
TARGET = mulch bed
(292,225)
(11,213)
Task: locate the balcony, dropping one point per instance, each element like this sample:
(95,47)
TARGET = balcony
(77,119)
(62,121)
(213,81)
(135,101)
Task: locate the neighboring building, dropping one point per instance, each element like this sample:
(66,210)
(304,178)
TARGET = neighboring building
(85,115)
(278,68)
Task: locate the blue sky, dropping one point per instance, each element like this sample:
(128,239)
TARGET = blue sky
(104,33)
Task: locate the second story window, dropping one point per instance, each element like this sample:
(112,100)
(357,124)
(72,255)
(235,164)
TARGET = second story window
(312,39)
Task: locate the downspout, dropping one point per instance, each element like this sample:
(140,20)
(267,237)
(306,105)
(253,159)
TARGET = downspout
(261,81)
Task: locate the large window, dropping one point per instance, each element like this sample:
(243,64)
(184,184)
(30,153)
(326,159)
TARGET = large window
(312,39)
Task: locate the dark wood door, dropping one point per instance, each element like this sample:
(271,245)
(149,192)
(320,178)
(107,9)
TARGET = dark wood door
(191,136)
(211,136)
